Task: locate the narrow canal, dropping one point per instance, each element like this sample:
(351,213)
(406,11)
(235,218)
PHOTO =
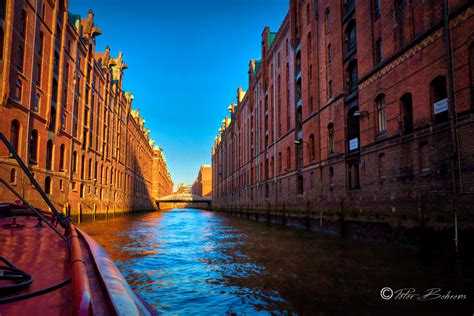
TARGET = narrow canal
(188,261)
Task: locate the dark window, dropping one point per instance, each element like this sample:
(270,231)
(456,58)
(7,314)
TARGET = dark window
(312,154)
(330,89)
(13,176)
(41,44)
(348,6)
(83,167)
(52,119)
(439,99)
(328,21)
(424,158)
(471,74)
(288,158)
(81,191)
(15,134)
(36,102)
(2,41)
(62,153)
(378,51)
(300,184)
(331,137)
(351,42)
(381,169)
(55,91)
(352,77)
(406,105)
(329,54)
(47,185)
(18,90)
(23,23)
(21,57)
(381,113)
(74,162)
(376,8)
(353,129)
(353,176)
(309,43)
(49,155)
(279,163)
(56,63)
(90,168)
(38,73)
(331,178)
(33,152)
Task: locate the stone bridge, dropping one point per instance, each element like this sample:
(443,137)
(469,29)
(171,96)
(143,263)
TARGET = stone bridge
(184,198)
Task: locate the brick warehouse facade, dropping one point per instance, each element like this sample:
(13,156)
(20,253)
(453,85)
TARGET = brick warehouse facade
(202,186)
(64,110)
(347,115)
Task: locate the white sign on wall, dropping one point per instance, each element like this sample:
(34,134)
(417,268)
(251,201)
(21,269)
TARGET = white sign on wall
(354,143)
(440,106)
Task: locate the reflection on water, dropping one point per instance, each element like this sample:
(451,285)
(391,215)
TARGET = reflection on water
(197,262)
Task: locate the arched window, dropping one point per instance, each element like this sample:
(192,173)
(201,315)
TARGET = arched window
(47,185)
(381,113)
(15,135)
(90,168)
(13,176)
(312,154)
(406,106)
(331,137)
(330,89)
(62,153)
(49,154)
(33,151)
(328,21)
(439,98)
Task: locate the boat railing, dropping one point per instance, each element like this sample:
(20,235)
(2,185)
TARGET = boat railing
(82,301)
(60,216)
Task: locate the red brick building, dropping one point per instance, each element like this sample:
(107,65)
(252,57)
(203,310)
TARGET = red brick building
(364,107)
(202,186)
(63,108)
(162,183)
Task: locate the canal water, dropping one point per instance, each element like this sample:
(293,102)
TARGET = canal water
(189,261)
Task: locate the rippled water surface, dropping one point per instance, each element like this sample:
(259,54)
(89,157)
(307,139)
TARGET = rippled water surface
(188,261)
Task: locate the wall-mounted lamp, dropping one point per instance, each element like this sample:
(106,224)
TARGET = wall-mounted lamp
(361,113)
(297,142)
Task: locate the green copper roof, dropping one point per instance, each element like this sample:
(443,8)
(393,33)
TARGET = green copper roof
(257,65)
(271,38)
(75,19)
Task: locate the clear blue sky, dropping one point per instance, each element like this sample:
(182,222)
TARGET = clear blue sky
(186,59)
